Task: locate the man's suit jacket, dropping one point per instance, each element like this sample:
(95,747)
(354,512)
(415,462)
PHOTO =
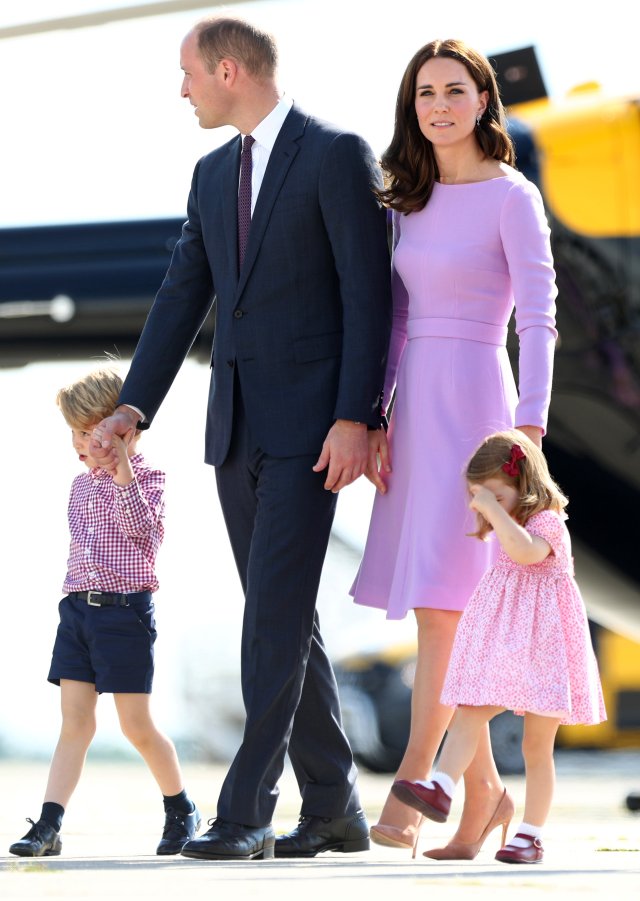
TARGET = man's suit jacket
(305,325)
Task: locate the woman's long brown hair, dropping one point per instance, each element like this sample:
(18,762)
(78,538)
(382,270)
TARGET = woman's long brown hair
(409,162)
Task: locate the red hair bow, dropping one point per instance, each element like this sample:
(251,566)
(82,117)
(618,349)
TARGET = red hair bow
(511,466)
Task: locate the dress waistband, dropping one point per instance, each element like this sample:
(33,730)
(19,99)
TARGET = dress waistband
(467,329)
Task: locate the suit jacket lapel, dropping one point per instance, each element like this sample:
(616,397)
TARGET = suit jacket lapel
(284,152)
(230,180)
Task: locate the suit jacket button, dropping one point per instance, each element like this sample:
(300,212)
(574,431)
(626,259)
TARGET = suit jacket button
(238,314)
(230,364)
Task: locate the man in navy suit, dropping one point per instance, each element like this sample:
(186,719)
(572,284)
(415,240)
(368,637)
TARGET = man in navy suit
(302,328)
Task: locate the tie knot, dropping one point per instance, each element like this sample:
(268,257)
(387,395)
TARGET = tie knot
(247,143)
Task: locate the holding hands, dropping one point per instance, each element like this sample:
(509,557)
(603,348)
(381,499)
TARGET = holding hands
(102,447)
(349,451)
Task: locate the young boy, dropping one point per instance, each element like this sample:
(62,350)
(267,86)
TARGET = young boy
(105,638)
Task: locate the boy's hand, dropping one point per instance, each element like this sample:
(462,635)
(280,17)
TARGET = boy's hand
(123,474)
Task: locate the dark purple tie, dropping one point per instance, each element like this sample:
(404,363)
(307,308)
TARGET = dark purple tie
(244,198)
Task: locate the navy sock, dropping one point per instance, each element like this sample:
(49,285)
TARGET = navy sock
(52,814)
(180,802)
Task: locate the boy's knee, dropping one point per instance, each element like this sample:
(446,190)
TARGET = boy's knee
(140,735)
(76,726)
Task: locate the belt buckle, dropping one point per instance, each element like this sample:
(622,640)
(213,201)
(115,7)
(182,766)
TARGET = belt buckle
(92,603)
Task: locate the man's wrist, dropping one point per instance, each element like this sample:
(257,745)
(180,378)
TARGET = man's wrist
(136,416)
(351,422)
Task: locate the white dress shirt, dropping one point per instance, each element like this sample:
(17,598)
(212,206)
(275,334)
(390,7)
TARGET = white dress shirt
(264,135)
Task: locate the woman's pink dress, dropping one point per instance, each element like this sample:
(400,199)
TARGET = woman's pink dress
(458,264)
(523,640)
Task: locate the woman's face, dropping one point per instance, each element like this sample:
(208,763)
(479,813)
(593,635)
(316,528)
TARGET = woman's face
(447,102)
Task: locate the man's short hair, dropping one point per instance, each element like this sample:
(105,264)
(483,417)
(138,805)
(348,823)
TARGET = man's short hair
(220,37)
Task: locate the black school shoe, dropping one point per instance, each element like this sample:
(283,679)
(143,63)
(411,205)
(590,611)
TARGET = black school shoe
(41,840)
(179,828)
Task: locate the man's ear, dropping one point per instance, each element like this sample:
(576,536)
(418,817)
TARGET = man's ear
(229,69)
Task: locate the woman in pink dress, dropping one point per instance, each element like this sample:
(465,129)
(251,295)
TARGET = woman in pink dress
(522,643)
(470,238)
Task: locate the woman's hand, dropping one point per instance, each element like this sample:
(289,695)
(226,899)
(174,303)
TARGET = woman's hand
(533,433)
(379,460)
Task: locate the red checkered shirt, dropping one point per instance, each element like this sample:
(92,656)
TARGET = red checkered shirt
(115,531)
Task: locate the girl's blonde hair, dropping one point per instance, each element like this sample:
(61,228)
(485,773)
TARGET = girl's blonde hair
(531,478)
(92,398)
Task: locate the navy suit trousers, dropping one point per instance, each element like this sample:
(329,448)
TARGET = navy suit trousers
(279,516)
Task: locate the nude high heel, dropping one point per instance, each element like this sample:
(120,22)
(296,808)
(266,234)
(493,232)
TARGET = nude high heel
(456,850)
(394,837)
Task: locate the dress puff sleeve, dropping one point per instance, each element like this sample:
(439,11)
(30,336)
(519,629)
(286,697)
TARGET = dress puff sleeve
(550,526)
(525,237)
(400,299)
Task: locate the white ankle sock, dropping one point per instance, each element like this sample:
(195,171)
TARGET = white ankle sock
(445,782)
(525,829)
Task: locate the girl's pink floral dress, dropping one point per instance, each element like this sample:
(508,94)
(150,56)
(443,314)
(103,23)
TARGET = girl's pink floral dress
(523,640)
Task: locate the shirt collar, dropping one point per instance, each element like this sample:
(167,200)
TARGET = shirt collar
(266,132)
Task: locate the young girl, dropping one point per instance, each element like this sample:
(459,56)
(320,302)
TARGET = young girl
(522,642)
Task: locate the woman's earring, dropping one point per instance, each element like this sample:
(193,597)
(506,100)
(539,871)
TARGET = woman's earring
(478,117)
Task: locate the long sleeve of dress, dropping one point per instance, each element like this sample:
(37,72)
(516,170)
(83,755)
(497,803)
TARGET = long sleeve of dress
(525,238)
(400,314)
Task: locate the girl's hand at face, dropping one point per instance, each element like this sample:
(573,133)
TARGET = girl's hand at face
(483,499)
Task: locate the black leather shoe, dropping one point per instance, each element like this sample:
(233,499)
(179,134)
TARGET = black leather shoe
(41,840)
(178,829)
(313,835)
(231,841)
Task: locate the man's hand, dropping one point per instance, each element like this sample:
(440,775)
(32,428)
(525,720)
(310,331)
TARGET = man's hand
(123,423)
(345,451)
(379,462)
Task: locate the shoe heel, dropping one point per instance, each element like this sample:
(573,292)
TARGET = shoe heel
(505,827)
(268,853)
(356,844)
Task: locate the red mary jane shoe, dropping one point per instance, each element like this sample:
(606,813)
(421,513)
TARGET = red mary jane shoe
(533,853)
(434,803)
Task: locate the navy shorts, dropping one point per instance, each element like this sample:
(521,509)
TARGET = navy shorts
(111,647)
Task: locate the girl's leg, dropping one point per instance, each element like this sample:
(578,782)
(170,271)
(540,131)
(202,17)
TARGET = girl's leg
(429,721)
(78,703)
(483,790)
(537,750)
(429,718)
(157,750)
(461,744)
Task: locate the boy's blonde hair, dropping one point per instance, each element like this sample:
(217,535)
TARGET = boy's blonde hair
(534,484)
(92,398)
